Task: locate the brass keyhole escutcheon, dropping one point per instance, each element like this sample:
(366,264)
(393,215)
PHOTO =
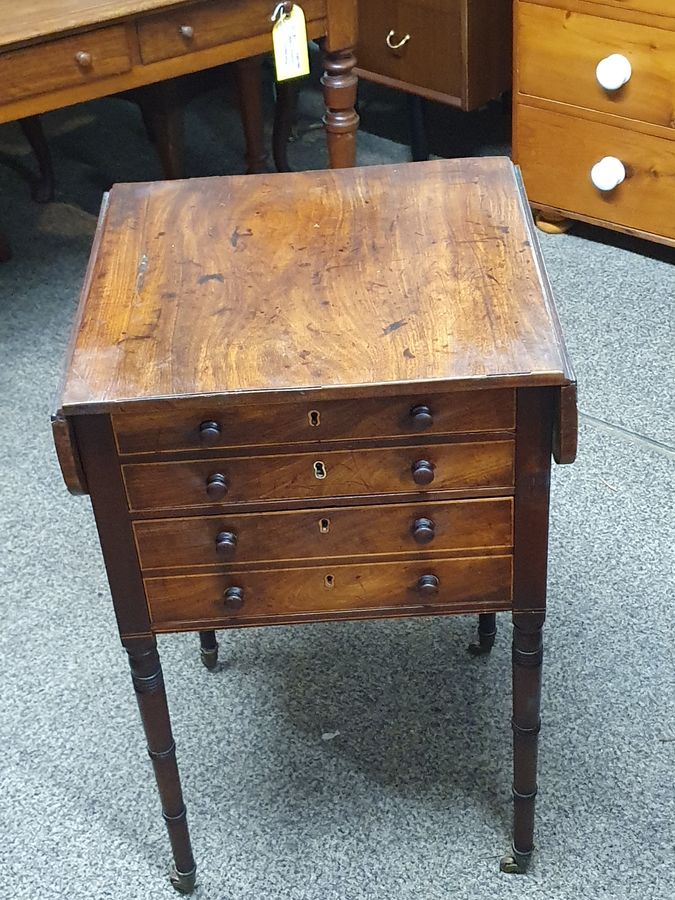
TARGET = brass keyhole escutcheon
(319,470)
(324,526)
(329,581)
(314,417)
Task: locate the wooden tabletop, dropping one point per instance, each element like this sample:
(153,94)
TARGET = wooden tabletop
(387,275)
(28,20)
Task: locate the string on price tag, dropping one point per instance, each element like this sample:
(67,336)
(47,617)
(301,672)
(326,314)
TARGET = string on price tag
(289,39)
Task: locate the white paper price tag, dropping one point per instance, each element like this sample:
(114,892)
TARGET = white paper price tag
(289,39)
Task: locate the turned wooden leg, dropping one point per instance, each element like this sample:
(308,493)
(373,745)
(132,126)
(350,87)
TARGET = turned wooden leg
(162,111)
(42,188)
(284,117)
(209,648)
(248,75)
(552,223)
(487,631)
(341,120)
(146,673)
(5,248)
(419,145)
(527,659)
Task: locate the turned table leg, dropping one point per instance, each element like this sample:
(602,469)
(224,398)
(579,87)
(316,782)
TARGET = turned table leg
(42,189)
(341,119)
(487,631)
(527,659)
(209,648)
(146,673)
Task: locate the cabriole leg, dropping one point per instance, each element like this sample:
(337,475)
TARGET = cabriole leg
(487,631)
(146,673)
(209,648)
(527,659)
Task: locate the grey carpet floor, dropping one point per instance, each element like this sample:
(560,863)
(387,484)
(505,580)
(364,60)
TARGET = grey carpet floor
(366,761)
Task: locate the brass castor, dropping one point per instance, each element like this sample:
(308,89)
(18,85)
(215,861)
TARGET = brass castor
(552,223)
(515,863)
(184,882)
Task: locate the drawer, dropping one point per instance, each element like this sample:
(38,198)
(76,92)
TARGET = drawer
(311,421)
(346,532)
(393,588)
(657,7)
(63,63)
(203,25)
(559,52)
(556,153)
(309,476)
(433,55)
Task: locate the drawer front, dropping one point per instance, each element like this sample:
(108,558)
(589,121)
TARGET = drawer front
(309,476)
(420,587)
(556,153)
(203,25)
(559,52)
(293,423)
(657,7)
(432,56)
(63,63)
(346,532)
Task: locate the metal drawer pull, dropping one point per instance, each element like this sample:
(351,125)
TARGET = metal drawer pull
(233,599)
(404,40)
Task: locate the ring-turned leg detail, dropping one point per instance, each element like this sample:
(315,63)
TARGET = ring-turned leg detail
(341,119)
(146,673)
(487,631)
(209,649)
(527,659)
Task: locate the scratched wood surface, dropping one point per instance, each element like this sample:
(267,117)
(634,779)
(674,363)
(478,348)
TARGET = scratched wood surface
(373,276)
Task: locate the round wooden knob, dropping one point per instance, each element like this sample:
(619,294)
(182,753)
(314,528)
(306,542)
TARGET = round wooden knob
(422,471)
(216,486)
(423,530)
(209,432)
(226,542)
(233,598)
(187,31)
(83,59)
(428,585)
(421,417)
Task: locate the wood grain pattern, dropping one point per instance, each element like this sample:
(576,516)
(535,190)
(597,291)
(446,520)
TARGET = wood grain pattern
(258,424)
(559,51)
(477,584)
(292,476)
(384,275)
(657,7)
(212,23)
(68,456)
(37,70)
(458,525)
(557,152)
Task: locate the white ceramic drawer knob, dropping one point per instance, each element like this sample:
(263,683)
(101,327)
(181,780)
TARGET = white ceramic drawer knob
(613,72)
(608,173)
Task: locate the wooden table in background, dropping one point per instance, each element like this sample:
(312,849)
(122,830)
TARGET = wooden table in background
(54,53)
(334,396)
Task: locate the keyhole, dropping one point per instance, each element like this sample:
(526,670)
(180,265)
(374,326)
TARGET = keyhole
(329,581)
(314,417)
(319,470)
(324,526)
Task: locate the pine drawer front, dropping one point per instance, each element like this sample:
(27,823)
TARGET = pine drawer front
(205,25)
(209,425)
(557,152)
(331,591)
(655,7)
(334,533)
(320,476)
(559,52)
(64,63)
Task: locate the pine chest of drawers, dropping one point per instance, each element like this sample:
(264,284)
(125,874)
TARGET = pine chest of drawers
(594,111)
(318,396)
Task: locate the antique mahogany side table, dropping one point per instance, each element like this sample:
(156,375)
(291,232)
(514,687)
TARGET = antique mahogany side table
(319,396)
